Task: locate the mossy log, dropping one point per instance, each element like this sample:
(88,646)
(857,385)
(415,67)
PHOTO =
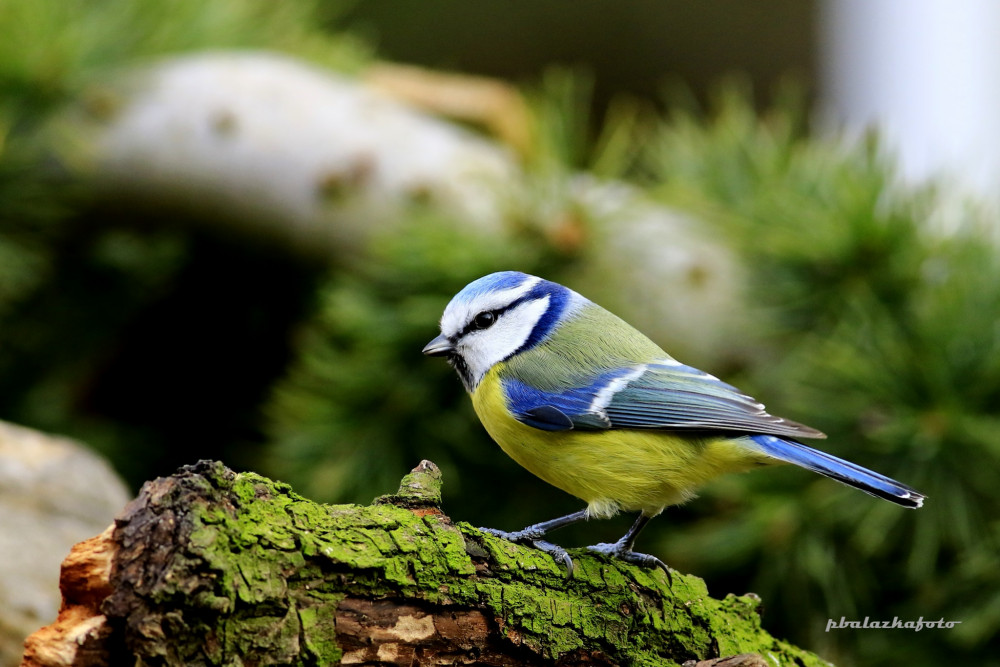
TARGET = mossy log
(213,567)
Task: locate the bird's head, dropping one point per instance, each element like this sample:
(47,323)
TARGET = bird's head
(496,317)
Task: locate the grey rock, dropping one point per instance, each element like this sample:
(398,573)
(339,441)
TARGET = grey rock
(54,492)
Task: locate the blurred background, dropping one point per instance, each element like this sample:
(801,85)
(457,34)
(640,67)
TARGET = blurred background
(227,230)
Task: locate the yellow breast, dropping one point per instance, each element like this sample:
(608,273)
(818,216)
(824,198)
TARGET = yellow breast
(612,470)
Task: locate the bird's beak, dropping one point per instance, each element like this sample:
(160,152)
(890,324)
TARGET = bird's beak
(439,347)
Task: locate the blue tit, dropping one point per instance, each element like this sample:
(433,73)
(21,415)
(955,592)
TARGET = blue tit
(586,402)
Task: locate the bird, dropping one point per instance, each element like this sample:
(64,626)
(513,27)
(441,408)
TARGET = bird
(587,403)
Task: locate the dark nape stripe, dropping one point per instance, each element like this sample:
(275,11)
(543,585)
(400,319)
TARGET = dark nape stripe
(558,299)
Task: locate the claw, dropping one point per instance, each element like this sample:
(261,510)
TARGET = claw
(619,550)
(558,554)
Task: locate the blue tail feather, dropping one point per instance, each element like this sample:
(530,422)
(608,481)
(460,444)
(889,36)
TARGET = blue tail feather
(840,470)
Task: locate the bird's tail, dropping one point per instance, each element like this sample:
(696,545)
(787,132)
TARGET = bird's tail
(840,470)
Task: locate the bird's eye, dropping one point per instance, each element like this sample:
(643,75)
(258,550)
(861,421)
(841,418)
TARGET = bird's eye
(484,320)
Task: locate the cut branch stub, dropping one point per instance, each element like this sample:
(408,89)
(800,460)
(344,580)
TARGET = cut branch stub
(419,490)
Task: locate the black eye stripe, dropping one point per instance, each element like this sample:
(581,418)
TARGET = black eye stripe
(475,325)
(559,298)
(496,312)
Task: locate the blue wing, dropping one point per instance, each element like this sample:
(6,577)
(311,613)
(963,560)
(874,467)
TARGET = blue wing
(665,395)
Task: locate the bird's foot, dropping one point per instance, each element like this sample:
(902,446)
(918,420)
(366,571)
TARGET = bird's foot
(619,550)
(532,538)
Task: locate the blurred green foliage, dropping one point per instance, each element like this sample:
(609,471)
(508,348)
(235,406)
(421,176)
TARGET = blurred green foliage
(162,343)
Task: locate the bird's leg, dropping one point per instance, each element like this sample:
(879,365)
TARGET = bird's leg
(623,548)
(538,530)
(532,535)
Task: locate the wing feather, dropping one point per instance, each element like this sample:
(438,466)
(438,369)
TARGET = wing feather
(675,396)
(667,396)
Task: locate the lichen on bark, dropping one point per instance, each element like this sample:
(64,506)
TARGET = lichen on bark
(216,567)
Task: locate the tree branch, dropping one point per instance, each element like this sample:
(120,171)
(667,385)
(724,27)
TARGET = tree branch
(214,567)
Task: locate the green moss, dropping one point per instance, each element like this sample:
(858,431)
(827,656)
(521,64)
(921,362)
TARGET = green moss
(319,629)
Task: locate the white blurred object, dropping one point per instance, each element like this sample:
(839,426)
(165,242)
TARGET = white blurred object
(307,155)
(926,73)
(663,273)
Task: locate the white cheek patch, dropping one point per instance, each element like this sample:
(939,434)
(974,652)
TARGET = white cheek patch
(483,349)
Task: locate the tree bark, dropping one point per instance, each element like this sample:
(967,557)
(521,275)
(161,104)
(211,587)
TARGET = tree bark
(213,567)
